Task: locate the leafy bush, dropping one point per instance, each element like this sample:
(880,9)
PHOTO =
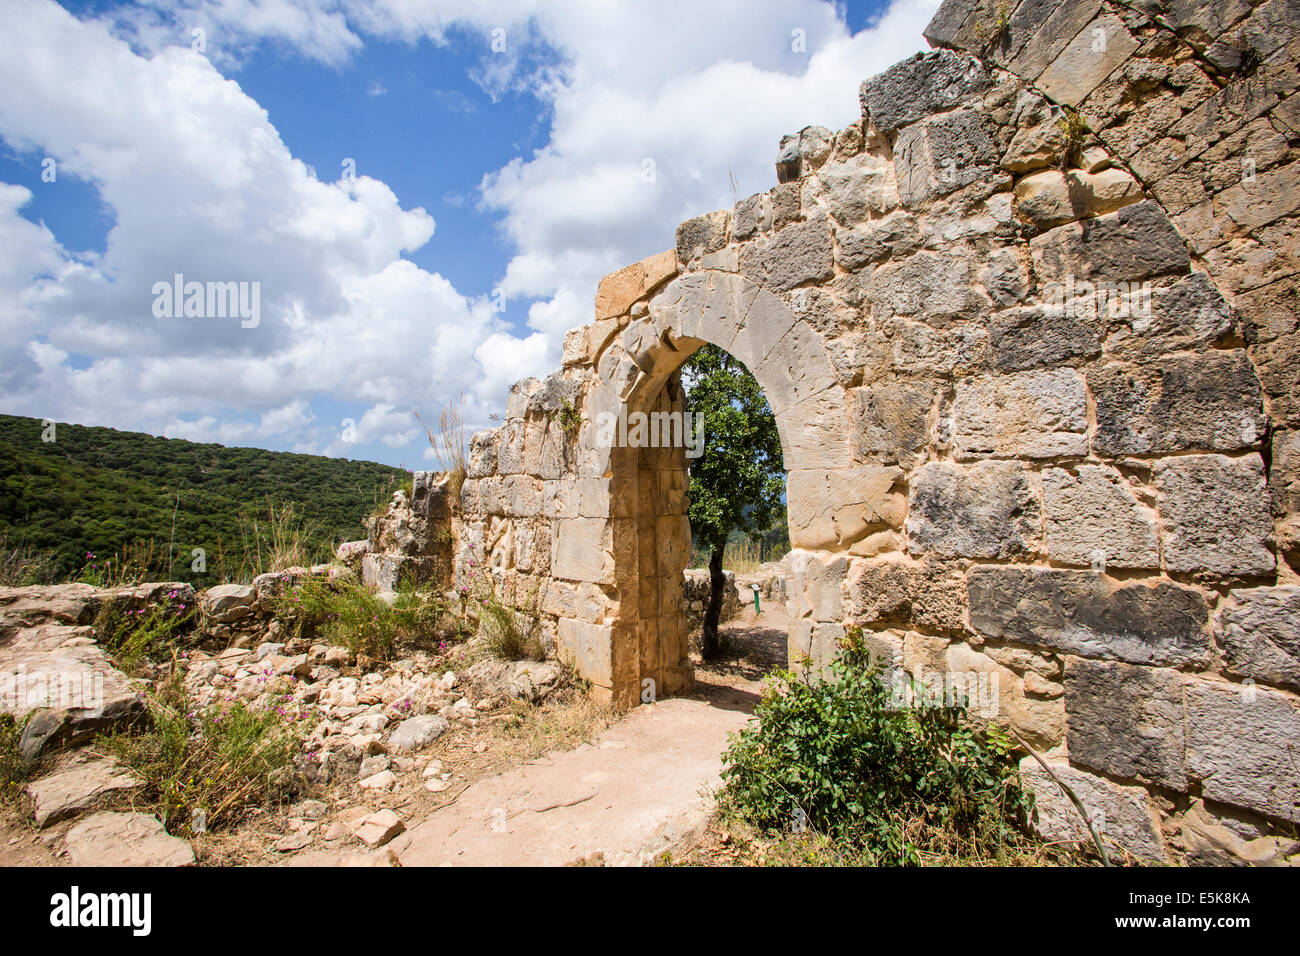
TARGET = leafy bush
(830,755)
(203,769)
(352,616)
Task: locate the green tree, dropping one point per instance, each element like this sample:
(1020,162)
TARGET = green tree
(737,483)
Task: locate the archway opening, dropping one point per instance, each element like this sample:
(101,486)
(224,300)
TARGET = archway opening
(701,441)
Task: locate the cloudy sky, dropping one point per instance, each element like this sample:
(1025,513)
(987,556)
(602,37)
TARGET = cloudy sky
(426,191)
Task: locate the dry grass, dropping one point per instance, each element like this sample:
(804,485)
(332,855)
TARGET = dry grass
(449,444)
(22,565)
(279,541)
(742,557)
(730,842)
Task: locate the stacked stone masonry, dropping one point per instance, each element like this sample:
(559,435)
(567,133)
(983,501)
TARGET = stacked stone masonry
(1037,394)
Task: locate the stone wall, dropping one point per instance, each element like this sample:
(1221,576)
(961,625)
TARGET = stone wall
(1036,390)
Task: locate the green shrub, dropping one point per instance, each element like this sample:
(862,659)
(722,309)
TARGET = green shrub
(352,616)
(830,755)
(203,769)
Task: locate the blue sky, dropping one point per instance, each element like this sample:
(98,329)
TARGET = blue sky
(498,151)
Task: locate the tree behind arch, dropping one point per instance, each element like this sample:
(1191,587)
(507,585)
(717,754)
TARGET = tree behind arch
(737,483)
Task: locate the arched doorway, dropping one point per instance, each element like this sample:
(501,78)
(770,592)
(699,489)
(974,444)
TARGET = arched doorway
(639,380)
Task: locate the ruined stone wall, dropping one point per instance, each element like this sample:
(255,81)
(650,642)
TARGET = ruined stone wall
(1036,390)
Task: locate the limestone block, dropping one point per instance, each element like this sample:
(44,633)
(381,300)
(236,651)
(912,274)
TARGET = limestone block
(990,510)
(895,235)
(1126,721)
(1053,197)
(796,369)
(1095,52)
(1241,743)
(1037,335)
(1260,634)
(1214,514)
(482,460)
(853,190)
(942,154)
(521,496)
(923,84)
(589,648)
(997,694)
(818,580)
(1090,614)
(1137,242)
(1031,414)
(1190,314)
(1119,814)
(510,448)
(583,550)
(928,285)
(618,290)
(797,254)
(891,421)
(895,591)
(1093,519)
(764,323)
(1210,400)
(831,509)
(702,235)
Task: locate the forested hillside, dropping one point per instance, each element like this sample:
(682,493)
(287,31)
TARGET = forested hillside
(106,492)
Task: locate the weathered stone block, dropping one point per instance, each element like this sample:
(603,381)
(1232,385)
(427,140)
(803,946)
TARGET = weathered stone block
(1118,813)
(943,154)
(1126,721)
(1037,335)
(1088,59)
(1033,414)
(818,581)
(797,254)
(1190,314)
(582,550)
(1135,243)
(1211,400)
(1052,197)
(1241,743)
(1260,633)
(990,510)
(891,421)
(853,190)
(1215,516)
(830,509)
(893,591)
(917,87)
(702,235)
(1089,614)
(1094,519)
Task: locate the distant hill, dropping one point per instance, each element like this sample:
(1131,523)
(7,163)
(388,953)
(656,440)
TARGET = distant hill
(103,491)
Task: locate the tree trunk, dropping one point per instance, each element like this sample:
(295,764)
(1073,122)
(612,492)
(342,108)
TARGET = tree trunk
(713,612)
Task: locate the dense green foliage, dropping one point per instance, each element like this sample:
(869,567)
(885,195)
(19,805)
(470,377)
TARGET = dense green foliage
(834,754)
(101,491)
(737,483)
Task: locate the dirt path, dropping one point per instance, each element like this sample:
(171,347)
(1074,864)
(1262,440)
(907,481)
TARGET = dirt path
(641,788)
